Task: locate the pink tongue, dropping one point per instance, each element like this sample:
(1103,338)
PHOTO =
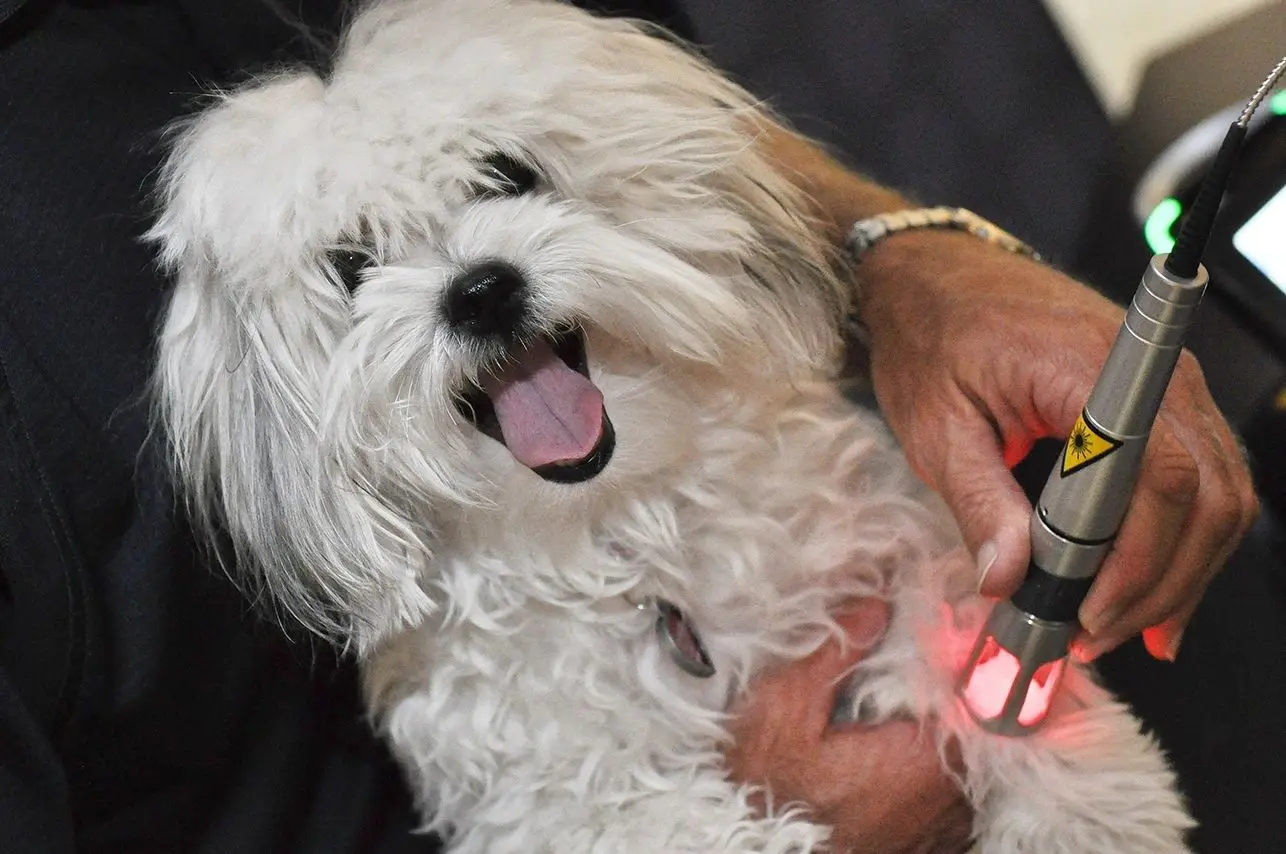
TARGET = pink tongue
(548,412)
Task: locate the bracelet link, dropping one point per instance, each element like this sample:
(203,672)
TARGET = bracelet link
(865,233)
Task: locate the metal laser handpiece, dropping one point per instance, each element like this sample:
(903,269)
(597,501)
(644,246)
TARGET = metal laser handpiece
(1089,490)
(1010,679)
(1020,655)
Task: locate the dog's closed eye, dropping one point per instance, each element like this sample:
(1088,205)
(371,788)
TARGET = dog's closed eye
(506,175)
(348,263)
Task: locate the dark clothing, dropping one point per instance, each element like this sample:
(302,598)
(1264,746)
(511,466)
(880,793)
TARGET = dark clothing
(144,706)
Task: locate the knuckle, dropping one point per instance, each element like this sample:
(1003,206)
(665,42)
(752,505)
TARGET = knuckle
(1225,512)
(1249,506)
(1174,475)
(968,498)
(1130,571)
(1161,607)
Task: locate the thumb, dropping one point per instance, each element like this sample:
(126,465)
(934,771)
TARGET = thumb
(970,473)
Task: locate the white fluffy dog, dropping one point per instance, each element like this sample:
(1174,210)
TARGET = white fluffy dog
(502,354)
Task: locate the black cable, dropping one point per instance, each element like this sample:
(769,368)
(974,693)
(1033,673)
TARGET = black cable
(1184,260)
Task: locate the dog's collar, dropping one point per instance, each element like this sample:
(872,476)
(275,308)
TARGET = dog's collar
(677,636)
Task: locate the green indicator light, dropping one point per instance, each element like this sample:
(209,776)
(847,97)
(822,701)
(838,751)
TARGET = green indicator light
(1278,103)
(1157,228)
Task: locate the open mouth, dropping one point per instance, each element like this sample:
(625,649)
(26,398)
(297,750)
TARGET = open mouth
(542,406)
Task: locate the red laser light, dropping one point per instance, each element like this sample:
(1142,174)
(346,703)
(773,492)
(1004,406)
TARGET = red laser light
(991,682)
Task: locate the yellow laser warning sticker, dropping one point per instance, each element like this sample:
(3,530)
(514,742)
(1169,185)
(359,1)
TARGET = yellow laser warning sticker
(1086,446)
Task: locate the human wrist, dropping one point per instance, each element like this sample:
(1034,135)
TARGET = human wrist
(909,259)
(925,258)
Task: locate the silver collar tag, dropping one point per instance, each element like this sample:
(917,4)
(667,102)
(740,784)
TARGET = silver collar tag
(680,640)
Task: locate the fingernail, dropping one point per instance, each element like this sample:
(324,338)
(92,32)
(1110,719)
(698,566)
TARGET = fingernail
(1096,620)
(1092,649)
(1172,650)
(986,559)
(1083,652)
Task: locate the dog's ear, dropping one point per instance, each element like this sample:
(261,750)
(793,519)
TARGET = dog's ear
(243,348)
(235,392)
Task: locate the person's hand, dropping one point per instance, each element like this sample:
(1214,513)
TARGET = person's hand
(882,788)
(975,355)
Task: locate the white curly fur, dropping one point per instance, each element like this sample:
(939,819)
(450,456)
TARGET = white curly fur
(317,433)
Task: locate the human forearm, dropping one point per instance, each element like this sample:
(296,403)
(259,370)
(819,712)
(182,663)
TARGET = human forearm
(839,196)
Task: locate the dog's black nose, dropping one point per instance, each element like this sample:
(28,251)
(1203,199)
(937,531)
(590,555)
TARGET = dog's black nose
(489,299)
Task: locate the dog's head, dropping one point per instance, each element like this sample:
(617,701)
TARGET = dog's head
(500,265)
